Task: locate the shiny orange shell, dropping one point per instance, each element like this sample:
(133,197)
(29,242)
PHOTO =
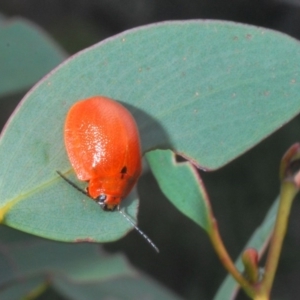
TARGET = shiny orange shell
(103,145)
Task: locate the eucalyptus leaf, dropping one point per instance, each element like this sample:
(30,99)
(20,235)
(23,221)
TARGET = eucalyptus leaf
(135,287)
(77,271)
(27,53)
(183,187)
(23,287)
(209,90)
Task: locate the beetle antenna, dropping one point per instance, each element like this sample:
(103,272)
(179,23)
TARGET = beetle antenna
(72,183)
(121,212)
(138,230)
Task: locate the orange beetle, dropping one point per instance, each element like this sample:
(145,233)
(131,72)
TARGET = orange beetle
(103,146)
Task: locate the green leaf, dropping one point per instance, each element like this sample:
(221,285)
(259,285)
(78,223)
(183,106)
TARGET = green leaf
(72,269)
(26,55)
(80,262)
(258,241)
(134,287)
(183,188)
(24,287)
(58,211)
(210,90)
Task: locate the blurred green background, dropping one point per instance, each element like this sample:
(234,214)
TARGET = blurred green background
(241,192)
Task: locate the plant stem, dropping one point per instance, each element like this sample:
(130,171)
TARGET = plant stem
(226,260)
(287,195)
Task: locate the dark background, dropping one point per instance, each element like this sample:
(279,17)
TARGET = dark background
(241,192)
